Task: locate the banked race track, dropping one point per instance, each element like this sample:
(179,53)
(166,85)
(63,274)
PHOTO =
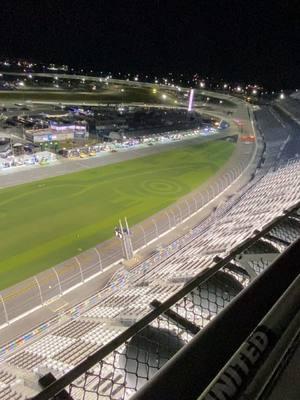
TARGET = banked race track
(58,231)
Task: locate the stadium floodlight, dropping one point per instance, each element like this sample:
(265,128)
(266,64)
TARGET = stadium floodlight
(191,99)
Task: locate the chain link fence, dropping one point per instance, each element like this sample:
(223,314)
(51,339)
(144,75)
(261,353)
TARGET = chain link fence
(121,367)
(42,288)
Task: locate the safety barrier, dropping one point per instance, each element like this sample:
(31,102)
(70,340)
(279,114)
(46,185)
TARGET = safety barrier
(187,332)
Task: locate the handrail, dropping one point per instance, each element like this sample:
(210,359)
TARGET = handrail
(269,331)
(197,363)
(57,386)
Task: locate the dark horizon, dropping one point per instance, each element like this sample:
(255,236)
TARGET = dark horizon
(255,42)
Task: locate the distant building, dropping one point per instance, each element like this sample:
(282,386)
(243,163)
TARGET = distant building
(57,132)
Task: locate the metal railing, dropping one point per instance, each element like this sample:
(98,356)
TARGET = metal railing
(52,283)
(123,366)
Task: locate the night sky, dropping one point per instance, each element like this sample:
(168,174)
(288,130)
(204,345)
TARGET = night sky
(239,40)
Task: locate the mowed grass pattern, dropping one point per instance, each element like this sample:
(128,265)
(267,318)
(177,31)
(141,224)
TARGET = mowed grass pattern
(46,222)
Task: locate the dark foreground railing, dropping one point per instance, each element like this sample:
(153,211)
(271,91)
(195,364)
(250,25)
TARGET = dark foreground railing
(253,371)
(178,348)
(190,371)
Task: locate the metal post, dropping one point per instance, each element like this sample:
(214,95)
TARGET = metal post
(123,240)
(208,198)
(59,285)
(4,308)
(219,189)
(127,227)
(166,212)
(213,190)
(40,290)
(143,233)
(157,234)
(129,238)
(177,205)
(202,200)
(227,179)
(195,201)
(188,206)
(174,216)
(177,319)
(79,265)
(100,262)
(230,178)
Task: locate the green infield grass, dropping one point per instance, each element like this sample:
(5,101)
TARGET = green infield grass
(111,95)
(48,221)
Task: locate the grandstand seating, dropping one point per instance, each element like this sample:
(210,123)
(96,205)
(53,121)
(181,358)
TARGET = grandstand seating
(275,188)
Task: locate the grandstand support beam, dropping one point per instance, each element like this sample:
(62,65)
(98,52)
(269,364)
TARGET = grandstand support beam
(246,267)
(49,378)
(274,238)
(294,221)
(258,257)
(177,319)
(40,290)
(80,269)
(57,277)
(295,217)
(99,257)
(4,308)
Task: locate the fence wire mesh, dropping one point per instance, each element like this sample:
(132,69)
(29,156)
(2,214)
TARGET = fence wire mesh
(126,367)
(37,291)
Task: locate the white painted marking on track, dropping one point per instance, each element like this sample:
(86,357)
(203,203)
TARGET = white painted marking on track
(277,118)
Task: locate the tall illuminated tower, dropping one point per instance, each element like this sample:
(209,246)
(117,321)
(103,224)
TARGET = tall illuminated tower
(191,99)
